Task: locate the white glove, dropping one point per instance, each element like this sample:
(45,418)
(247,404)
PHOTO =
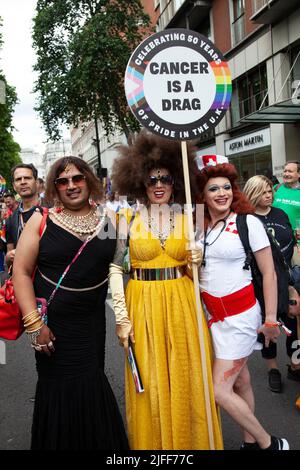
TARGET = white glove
(124,328)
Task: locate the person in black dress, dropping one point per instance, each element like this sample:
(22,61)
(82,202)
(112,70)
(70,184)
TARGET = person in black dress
(259,191)
(75,408)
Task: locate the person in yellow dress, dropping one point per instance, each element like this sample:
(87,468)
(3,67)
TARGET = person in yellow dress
(160,312)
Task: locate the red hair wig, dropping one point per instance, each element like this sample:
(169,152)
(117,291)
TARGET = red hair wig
(240,203)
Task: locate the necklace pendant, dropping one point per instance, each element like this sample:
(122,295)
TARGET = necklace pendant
(162,242)
(163,234)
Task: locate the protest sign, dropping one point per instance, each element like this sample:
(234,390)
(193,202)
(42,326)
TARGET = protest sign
(178,84)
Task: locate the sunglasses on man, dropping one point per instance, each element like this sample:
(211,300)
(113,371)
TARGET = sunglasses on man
(62,183)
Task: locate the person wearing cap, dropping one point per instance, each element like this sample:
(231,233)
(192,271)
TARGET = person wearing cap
(233,312)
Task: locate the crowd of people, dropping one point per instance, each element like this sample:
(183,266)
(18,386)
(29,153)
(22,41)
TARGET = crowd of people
(80,251)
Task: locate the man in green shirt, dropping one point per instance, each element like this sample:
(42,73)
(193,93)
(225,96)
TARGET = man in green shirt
(287,195)
(287,198)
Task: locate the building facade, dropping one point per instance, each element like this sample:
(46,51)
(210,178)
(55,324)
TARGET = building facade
(260,39)
(54,151)
(84,145)
(100,152)
(29,155)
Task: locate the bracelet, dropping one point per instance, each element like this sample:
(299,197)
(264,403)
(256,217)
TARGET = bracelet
(31,317)
(32,321)
(33,336)
(30,313)
(37,326)
(270,324)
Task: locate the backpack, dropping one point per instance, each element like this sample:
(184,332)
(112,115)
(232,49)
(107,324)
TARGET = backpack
(281,268)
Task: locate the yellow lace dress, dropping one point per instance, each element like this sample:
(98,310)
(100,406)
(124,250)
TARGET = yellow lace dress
(170,414)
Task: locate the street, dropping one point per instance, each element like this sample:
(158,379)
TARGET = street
(277,412)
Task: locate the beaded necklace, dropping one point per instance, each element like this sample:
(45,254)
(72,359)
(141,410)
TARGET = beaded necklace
(81,224)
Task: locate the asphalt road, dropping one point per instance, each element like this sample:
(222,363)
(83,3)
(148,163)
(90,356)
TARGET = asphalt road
(277,412)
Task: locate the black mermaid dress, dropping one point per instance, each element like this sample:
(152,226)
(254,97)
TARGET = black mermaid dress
(75,408)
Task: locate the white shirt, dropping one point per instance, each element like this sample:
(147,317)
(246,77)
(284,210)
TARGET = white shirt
(223,273)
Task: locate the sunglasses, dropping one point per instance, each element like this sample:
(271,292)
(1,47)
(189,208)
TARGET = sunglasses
(292,302)
(166,180)
(62,183)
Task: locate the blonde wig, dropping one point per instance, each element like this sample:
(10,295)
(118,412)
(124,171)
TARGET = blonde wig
(255,187)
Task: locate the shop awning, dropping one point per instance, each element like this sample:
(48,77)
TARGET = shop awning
(287,111)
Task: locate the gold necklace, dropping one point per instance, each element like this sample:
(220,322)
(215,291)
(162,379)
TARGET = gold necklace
(81,224)
(163,234)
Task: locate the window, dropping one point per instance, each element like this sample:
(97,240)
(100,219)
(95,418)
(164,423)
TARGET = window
(258,4)
(204,28)
(248,94)
(166,13)
(238,23)
(295,60)
(258,162)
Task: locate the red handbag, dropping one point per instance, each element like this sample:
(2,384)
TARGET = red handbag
(11,322)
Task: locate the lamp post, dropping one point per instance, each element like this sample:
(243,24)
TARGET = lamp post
(97,142)
(2,92)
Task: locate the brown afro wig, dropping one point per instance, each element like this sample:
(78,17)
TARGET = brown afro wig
(148,152)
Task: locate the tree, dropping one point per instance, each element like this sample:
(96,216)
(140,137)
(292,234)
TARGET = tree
(9,149)
(83,47)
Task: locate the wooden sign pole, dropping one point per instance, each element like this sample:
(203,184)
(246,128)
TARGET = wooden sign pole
(197,294)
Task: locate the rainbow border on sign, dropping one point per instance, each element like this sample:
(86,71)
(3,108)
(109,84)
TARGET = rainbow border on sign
(223,85)
(136,74)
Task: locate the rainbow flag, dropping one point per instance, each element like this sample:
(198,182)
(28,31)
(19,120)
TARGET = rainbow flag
(2,185)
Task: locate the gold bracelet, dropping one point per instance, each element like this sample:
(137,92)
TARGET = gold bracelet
(37,326)
(32,321)
(30,313)
(27,324)
(29,319)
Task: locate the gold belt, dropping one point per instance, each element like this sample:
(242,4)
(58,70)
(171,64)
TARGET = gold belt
(159,274)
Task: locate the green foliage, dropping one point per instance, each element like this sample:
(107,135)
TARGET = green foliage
(9,149)
(9,156)
(83,47)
